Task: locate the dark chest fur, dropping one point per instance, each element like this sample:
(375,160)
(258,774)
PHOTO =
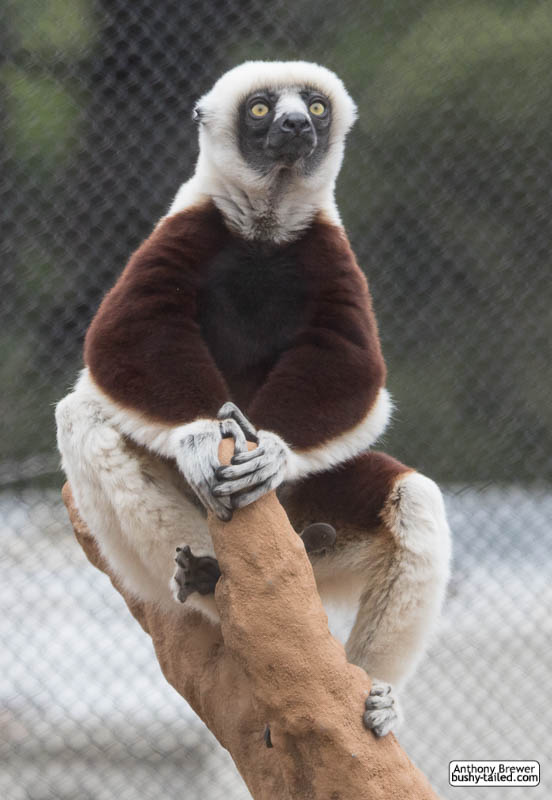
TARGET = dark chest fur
(251,305)
(194,294)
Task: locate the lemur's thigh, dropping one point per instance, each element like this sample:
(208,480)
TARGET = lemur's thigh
(135,504)
(391,555)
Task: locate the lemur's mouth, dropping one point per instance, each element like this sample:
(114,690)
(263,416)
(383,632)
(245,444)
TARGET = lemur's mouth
(290,159)
(288,150)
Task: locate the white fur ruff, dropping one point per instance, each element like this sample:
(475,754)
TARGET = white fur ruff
(282,204)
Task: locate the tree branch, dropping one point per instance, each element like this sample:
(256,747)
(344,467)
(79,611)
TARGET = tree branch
(272,662)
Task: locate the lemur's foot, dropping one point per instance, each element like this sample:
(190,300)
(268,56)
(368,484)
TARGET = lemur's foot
(381,713)
(193,574)
(318,537)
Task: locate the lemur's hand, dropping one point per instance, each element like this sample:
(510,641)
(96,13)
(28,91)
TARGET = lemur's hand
(253,473)
(196,448)
(230,411)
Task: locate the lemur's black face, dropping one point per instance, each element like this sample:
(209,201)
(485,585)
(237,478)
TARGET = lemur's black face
(287,128)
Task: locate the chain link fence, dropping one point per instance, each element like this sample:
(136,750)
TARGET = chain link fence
(446,194)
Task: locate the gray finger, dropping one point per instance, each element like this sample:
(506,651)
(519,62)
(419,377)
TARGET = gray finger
(215,502)
(380,722)
(210,481)
(245,424)
(247,481)
(248,428)
(231,410)
(240,458)
(221,507)
(244,499)
(378,701)
(380,687)
(237,471)
(229,427)
(212,504)
(226,410)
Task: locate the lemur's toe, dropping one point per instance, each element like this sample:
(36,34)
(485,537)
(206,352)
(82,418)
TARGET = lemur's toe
(193,574)
(381,710)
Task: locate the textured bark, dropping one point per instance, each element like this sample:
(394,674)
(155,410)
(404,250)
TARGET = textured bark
(273,662)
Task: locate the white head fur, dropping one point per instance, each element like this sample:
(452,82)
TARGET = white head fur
(280,204)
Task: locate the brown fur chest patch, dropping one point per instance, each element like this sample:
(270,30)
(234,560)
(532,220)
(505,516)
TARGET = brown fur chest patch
(200,316)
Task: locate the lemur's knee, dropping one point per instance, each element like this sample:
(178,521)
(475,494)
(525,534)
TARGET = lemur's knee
(401,602)
(65,416)
(88,443)
(76,414)
(70,426)
(415,514)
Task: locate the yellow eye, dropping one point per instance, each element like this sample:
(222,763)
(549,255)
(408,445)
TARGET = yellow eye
(317,108)
(259,109)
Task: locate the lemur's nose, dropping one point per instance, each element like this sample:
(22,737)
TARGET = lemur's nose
(295,122)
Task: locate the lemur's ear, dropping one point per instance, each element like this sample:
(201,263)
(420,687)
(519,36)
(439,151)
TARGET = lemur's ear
(197,114)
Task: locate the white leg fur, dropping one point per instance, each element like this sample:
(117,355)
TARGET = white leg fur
(139,509)
(393,625)
(135,504)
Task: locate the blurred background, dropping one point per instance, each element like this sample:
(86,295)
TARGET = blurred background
(446,195)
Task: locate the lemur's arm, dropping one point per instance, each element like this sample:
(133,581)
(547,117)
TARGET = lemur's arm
(144,348)
(159,382)
(325,397)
